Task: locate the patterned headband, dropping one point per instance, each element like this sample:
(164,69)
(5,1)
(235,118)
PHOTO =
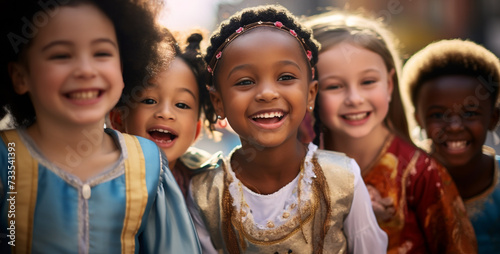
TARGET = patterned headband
(215,59)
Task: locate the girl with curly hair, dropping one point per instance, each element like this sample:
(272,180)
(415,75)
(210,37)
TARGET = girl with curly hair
(67,184)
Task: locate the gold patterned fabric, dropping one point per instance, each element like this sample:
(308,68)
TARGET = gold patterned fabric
(316,228)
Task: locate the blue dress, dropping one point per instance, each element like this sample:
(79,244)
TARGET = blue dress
(484,213)
(135,206)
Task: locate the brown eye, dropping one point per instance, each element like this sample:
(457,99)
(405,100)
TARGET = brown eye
(148,101)
(182,105)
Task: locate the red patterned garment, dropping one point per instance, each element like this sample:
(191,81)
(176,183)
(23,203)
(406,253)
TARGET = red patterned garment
(428,215)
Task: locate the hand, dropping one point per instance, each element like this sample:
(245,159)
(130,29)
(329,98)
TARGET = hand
(382,207)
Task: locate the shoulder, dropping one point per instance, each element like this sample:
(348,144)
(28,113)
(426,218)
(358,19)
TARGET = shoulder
(206,188)
(330,159)
(209,178)
(198,160)
(127,141)
(409,155)
(337,168)
(136,149)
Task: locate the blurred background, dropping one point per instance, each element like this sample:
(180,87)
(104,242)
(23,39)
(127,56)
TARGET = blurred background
(415,23)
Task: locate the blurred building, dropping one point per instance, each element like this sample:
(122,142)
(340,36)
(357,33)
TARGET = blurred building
(415,22)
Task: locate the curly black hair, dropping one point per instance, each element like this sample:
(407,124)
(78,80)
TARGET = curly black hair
(193,57)
(451,57)
(264,13)
(136,31)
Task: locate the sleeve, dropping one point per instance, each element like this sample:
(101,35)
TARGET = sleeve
(169,227)
(206,243)
(440,210)
(361,228)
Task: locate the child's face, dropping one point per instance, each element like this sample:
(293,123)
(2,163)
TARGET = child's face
(167,112)
(72,72)
(263,87)
(354,90)
(456,113)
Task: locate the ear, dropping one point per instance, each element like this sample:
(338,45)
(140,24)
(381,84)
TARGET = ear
(495,116)
(198,129)
(311,94)
(18,73)
(216,99)
(390,82)
(115,117)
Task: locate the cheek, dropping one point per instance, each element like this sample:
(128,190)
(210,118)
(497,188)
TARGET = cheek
(436,133)
(381,98)
(46,78)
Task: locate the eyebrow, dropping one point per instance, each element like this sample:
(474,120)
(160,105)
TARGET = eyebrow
(339,76)
(239,67)
(69,43)
(370,70)
(189,91)
(282,62)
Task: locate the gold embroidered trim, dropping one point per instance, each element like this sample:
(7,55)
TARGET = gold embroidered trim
(26,185)
(404,179)
(247,230)
(136,193)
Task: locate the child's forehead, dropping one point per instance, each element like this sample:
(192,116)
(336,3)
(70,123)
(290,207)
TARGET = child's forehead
(82,20)
(176,78)
(461,88)
(266,34)
(260,40)
(263,47)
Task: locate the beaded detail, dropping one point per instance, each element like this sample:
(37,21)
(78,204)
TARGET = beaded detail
(291,217)
(241,30)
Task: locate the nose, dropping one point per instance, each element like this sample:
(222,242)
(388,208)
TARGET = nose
(85,68)
(267,92)
(455,123)
(353,96)
(164,112)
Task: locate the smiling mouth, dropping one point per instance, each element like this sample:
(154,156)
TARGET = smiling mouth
(456,145)
(84,95)
(162,136)
(268,117)
(356,117)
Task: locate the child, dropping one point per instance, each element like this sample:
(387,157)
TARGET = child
(169,111)
(67,185)
(273,193)
(359,113)
(453,86)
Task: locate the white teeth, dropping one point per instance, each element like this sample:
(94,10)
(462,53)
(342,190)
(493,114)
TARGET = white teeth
(84,95)
(456,144)
(269,115)
(161,130)
(356,116)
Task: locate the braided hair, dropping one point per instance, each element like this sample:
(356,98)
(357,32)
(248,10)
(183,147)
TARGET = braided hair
(264,13)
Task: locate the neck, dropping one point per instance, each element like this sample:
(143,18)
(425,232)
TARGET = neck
(70,145)
(171,164)
(364,150)
(267,169)
(474,177)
